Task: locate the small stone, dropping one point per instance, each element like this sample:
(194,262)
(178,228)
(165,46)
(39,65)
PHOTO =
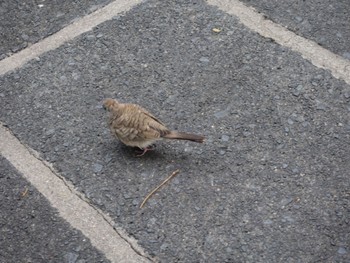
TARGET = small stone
(71,257)
(225,138)
(246,133)
(296,93)
(284,165)
(267,222)
(164,246)
(75,76)
(204,59)
(126,195)
(50,132)
(25,37)
(305,124)
(320,106)
(295,170)
(287,218)
(222,152)
(188,149)
(221,114)
(298,18)
(97,168)
(290,121)
(341,250)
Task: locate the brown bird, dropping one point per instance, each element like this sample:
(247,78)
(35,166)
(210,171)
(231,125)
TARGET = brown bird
(135,126)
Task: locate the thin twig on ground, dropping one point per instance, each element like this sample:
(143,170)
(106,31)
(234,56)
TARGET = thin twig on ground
(159,186)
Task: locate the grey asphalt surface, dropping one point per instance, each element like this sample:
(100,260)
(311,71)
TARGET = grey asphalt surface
(32,231)
(326,23)
(23,23)
(271,183)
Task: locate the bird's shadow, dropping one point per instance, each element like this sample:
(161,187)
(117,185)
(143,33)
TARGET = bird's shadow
(157,153)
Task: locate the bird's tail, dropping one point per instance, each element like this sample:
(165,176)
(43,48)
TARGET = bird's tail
(184,136)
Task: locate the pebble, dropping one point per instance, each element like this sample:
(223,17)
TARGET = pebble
(25,37)
(268,222)
(296,92)
(221,114)
(320,106)
(97,168)
(222,152)
(246,133)
(164,246)
(287,218)
(341,250)
(298,18)
(225,138)
(188,149)
(204,59)
(71,257)
(50,132)
(295,170)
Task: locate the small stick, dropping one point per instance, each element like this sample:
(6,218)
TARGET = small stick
(159,186)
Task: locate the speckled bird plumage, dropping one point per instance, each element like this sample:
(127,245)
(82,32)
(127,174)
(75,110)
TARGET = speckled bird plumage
(135,126)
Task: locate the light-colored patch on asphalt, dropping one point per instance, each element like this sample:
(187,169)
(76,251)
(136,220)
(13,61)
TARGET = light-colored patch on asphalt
(75,29)
(317,55)
(72,206)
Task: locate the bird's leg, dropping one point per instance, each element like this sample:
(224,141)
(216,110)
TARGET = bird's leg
(144,150)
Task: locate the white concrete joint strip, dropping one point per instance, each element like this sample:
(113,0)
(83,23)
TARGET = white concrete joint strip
(309,50)
(95,225)
(69,32)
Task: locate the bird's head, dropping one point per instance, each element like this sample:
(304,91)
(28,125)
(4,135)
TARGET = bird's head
(109,103)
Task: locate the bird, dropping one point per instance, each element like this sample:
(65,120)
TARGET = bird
(135,126)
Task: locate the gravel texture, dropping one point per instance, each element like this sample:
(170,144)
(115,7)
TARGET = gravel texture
(271,183)
(35,231)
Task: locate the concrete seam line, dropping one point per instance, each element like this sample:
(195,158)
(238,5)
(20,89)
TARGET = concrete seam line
(309,50)
(67,33)
(71,205)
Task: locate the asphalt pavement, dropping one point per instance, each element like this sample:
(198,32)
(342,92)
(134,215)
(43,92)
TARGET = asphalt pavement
(270,184)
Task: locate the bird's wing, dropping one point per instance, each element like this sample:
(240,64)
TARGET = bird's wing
(137,124)
(155,124)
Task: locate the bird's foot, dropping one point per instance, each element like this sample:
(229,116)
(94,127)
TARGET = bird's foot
(149,148)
